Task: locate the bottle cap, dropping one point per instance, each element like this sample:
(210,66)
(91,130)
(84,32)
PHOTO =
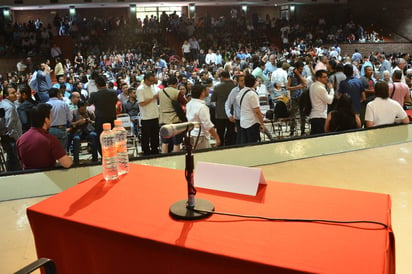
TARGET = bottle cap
(107,126)
(118,122)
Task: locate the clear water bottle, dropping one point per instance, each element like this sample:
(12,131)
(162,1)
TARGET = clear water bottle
(121,147)
(109,156)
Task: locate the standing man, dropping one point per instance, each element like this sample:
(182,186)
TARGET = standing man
(61,116)
(131,107)
(149,114)
(353,87)
(251,119)
(296,83)
(232,108)
(280,75)
(21,68)
(211,58)
(385,65)
(25,106)
(270,66)
(369,85)
(225,128)
(11,129)
(194,48)
(320,99)
(168,114)
(41,83)
(37,148)
(104,101)
(197,111)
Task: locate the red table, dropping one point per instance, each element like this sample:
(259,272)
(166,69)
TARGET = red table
(124,227)
(409,112)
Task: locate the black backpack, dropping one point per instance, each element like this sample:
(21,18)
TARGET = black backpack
(305,105)
(281,110)
(178,107)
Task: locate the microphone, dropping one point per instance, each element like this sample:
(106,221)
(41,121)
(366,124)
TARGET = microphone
(171,130)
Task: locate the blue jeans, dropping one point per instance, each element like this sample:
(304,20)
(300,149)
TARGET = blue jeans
(91,138)
(61,134)
(44,96)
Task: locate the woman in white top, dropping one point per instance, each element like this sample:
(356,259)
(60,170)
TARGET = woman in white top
(383,110)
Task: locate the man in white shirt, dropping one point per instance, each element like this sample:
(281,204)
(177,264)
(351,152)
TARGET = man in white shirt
(197,111)
(211,58)
(251,119)
(232,109)
(320,98)
(149,114)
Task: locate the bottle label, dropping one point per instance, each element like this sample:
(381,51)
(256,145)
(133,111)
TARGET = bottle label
(121,147)
(109,151)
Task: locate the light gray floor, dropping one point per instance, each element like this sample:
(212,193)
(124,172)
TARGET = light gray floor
(384,170)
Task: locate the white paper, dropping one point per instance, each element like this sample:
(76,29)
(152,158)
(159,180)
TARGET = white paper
(229,178)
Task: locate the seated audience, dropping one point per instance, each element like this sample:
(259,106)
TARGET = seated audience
(83,129)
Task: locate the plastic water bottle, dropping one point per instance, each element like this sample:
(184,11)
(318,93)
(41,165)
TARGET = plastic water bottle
(121,147)
(109,157)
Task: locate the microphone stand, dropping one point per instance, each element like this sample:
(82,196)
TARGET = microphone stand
(190,209)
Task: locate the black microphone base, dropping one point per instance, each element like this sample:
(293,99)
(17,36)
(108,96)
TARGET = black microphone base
(180,211)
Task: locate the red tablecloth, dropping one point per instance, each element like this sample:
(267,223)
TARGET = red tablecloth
(124,227)
(409,112)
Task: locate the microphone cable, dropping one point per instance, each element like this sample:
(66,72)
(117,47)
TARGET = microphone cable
(289,220)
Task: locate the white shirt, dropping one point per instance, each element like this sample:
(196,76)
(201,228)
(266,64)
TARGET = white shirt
(186,48)
(249,103)
(279,75)
(384,111)
(320,99)
(197,111)
(211,58)
(151,110)
(262,90)
(231,102)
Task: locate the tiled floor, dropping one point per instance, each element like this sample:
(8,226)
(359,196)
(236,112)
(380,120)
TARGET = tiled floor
(383,169)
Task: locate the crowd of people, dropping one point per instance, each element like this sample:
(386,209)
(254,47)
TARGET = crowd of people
(221,84)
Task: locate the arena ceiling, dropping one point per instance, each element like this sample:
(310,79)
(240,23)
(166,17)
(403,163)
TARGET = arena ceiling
(64,4)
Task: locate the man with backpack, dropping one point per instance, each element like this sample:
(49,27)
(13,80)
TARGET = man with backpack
(251,119)
(168,115)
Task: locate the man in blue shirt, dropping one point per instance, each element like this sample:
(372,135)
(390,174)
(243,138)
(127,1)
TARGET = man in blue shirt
(41,83)
(61,116)
(353,87)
